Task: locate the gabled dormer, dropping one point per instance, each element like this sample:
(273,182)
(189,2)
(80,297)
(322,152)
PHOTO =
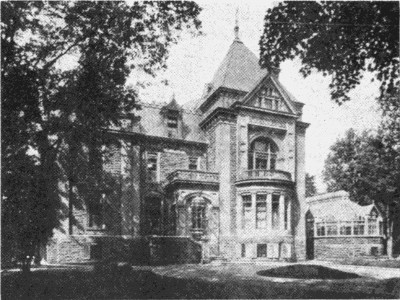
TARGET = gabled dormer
(270,95)
(172,116)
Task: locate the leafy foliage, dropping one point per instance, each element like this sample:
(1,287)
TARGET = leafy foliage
(64,68)
(311,190)
(369,171)
(337,38)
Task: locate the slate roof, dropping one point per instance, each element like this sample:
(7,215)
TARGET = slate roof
(152,122)
(337,207)
(239,70)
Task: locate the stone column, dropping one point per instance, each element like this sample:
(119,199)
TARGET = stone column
(253,209)
(239,213)
(282,212)
(269,212)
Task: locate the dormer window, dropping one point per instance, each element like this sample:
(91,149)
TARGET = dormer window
(193,163)
(172,121)
(267,99)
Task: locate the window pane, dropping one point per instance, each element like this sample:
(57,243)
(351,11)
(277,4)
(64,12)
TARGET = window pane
(372,226)
(193,163)
(198,217)
(243,250)
(286,213)
(247,218)
(261,250)
(275,211)
(320,229)
(331,228)
(359,228)
(345,228)
(261,211)
(172,121)
(152,164)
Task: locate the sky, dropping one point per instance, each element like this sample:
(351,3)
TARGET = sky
(194,60)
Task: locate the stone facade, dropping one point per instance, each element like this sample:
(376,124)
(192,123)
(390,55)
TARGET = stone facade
(225,174)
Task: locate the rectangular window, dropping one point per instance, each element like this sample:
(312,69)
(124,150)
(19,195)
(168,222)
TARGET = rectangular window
(359,227)
(268,103)
(261,211)
(243,250)
(152,166)
(380,228)
(193,163)
(172,121)
(198,217)
(246,211)
(320,229)
(331,228)
(275,211)
(95,215)
(345,228)
(261,250)
(286,213)
(372,226)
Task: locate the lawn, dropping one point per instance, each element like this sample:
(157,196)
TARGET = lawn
(383,263)
(191,281)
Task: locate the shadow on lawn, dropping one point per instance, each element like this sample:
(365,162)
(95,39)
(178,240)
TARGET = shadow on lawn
(111,281)
(307,272)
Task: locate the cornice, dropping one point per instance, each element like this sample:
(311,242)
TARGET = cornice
(238,106)
(140,138)
(219,114)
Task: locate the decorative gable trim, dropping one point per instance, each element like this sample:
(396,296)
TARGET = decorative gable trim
(266,80)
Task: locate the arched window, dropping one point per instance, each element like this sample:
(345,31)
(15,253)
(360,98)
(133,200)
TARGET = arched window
(198,211)
(262,154)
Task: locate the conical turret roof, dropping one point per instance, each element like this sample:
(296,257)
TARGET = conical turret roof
(239,70)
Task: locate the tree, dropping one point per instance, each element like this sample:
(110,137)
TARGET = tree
(311,190)
(337,38)
(53,118)
(370,172)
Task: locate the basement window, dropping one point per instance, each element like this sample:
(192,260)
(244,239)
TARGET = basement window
(261,250)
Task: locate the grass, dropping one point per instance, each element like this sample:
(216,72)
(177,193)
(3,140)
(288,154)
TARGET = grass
(183,282)
(383,263)
(307,272)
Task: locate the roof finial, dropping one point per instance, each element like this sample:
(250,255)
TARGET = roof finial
(237,24)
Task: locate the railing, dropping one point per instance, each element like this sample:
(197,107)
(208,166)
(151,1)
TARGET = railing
(193,175)
(266,174)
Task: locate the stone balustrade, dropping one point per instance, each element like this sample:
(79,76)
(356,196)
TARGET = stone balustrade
(193,175)
(266,174)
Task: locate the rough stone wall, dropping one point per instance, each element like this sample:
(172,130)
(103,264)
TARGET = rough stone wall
(224,167)
(171,160)
(211,150)
(299,209)
(346,247)
(72,249)
(233,166)
(173,250)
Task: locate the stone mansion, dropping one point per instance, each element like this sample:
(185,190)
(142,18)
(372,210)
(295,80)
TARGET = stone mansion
(223,174)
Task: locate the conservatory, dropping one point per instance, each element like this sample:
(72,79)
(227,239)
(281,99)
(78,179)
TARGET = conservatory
(340,228)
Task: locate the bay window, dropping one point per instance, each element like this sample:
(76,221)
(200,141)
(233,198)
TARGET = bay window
(262,155)
(198,208)
(261,211)
(247,217)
